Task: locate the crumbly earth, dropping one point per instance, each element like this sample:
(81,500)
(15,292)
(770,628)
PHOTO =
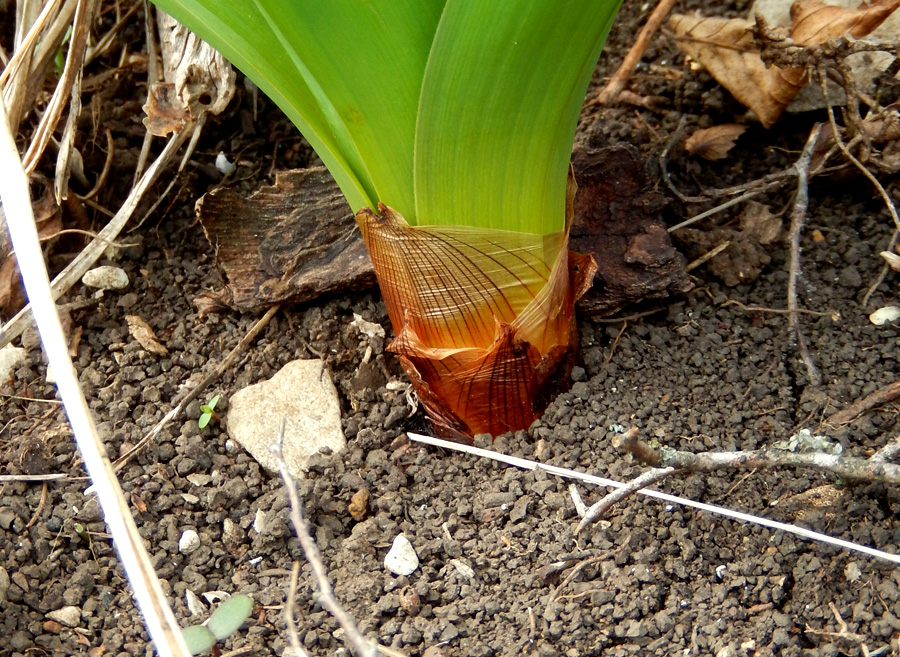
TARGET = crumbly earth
(701,373)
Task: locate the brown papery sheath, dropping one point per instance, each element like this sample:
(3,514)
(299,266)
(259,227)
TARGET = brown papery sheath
(484,318)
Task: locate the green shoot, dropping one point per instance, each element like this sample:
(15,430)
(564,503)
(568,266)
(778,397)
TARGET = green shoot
(207,412)
(224,621)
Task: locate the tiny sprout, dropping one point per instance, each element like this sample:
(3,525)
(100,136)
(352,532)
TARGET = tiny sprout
(223,622)
(207,411)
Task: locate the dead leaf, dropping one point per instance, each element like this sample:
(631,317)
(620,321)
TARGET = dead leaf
(813,22)
(757,221)
(141,331)
(715,142)
(139,504)
(727,50)
(747,253)
(359,504)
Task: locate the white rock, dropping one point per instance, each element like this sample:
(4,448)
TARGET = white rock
(199,478)
(463,569)
(223,165)
(189,541)
(401,559)
(69,616)
(106,278)
(259,522)
(302,396)
(10,358)
(852,572)
(194,604)
(885,315)
(368,329)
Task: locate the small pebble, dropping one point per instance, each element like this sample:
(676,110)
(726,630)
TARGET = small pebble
(463,569)
(188,542)
(401,559)
(885,315)
(259,522)
(194,604)
(69,616)
(10,358)
(106,278)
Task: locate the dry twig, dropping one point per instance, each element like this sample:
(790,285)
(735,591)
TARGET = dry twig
(881,396)
(620,78)
(798,217)
(359,644)
(845,467)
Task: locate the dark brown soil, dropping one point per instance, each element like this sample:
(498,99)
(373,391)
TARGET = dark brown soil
(699,374)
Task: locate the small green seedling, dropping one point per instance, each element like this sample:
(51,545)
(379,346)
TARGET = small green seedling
(207,412)
(223,622)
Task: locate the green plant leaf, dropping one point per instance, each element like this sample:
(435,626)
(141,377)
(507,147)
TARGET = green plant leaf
(500,101)
(346,72)
(205,417)
(198,638)
(212,403)
(230,615)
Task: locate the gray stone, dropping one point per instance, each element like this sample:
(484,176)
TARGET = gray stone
(69,616)
(302,396)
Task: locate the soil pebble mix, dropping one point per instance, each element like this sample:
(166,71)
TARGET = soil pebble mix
(480,572)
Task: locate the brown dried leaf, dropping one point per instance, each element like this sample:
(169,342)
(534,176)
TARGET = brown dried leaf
(758,222)
(715,142)
(141,331)
(726,49)
(813,22)
(290,242)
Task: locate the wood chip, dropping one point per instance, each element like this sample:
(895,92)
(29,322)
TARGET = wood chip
(141,331)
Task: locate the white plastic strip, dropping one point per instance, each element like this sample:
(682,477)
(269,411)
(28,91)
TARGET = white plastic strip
(525,464)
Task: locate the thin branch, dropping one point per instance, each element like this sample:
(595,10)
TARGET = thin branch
(798,218)
(289,620)
(359,644)
(881,396)
(526,464)
(620,78)
(845,467)
(599,509)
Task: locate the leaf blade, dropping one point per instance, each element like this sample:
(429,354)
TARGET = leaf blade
(492,150)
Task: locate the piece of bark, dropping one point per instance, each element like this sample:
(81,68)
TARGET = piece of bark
(287,243)
(617,220)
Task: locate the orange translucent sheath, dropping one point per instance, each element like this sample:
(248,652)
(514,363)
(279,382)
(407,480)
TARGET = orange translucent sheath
(484,318)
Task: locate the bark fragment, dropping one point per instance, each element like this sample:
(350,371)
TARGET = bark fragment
(618,222)
(290,242)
